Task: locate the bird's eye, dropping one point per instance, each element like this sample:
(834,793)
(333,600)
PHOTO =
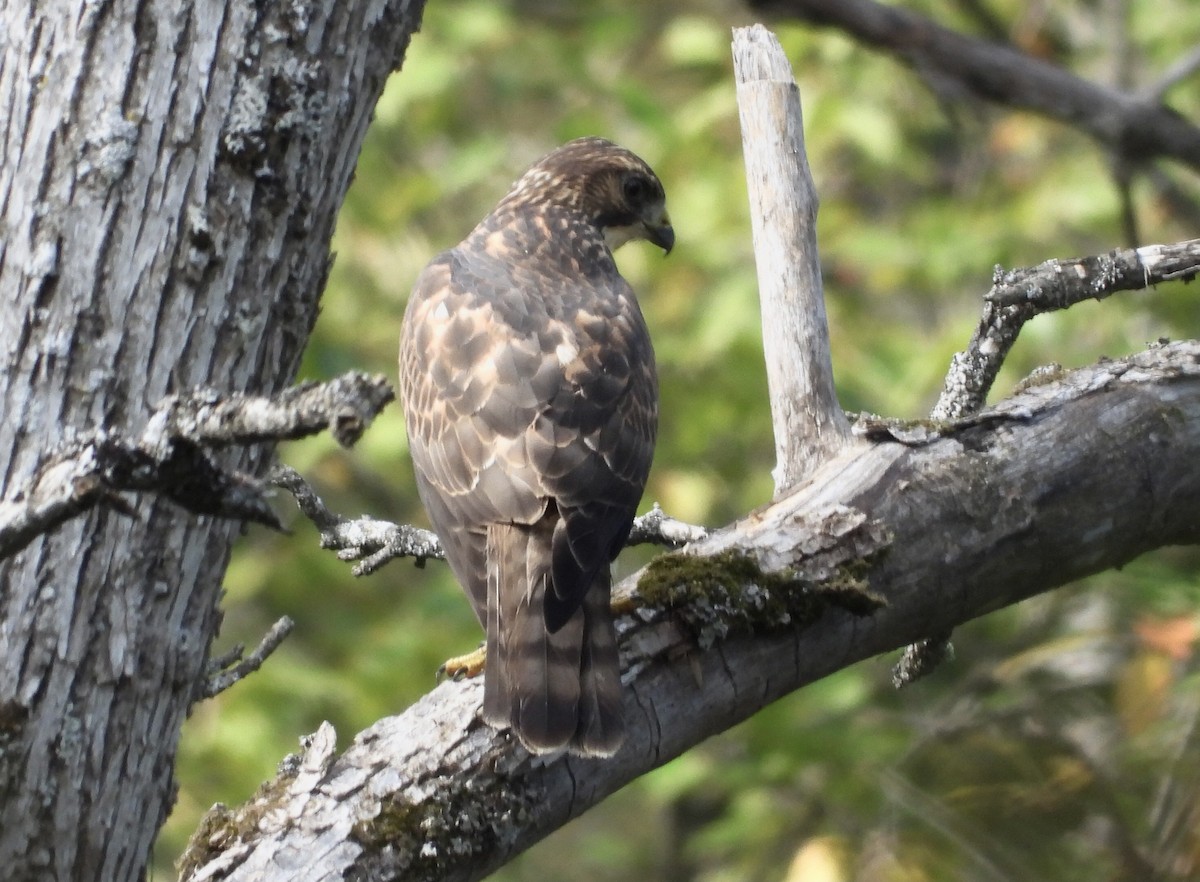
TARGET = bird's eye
(636,189)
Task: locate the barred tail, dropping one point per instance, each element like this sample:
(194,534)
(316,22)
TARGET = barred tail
(601,725)
(555,690)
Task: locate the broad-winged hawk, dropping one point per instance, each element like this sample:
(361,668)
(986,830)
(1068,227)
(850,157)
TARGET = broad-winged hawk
(531,401)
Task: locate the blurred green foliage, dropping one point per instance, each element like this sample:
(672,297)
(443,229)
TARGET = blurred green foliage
(1061,743)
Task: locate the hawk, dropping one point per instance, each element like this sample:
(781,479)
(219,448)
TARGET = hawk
(531,402)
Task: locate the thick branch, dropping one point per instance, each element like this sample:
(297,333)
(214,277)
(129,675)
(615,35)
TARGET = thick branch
(943,529)
(809,424)
(172,458)
(1136,127)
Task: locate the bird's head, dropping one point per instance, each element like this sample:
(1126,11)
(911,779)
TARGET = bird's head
(614,188)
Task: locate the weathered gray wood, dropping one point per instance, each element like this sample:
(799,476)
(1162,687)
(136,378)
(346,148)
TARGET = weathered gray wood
(171,176)
(809,424)
(1019,295)
(1013,503)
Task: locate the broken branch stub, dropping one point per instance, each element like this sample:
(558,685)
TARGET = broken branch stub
(810,427)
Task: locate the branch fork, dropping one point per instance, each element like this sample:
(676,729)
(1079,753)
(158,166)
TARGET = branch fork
(174,455)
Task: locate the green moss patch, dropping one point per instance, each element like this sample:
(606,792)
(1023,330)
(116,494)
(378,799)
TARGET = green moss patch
(730,593)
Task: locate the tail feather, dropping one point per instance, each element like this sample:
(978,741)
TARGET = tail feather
(558,689)
(601,726)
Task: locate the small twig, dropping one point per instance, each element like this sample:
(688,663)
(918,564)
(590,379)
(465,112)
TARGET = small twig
(172,455)
(656,527)
(1180,70)
(227,669)
(972,371)
(369,541)
(373,542)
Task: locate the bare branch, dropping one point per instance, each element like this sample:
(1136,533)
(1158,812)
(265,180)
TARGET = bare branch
(656,527)
(1133,126)
(368,540)
(809,424)
(345,406)
(94,470)
(373,542)
(171,456)
(1018,295)
(228,669)
(973,371)
(1057,284)
(1182,69)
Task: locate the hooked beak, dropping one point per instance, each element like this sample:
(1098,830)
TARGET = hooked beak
(661,233)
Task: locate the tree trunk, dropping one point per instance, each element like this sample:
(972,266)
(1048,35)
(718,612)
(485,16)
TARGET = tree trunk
(173,172)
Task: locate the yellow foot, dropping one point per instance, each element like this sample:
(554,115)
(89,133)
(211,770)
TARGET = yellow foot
(461,666)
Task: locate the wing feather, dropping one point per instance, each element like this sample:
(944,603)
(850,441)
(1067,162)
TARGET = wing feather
(530,399)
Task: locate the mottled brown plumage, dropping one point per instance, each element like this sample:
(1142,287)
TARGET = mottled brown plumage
(531,400)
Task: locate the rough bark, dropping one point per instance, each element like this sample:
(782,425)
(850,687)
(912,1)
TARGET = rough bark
(172,174)
(941,527)
(808,421)
(171,457)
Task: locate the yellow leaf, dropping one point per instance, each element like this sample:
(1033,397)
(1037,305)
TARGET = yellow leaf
(1142,690)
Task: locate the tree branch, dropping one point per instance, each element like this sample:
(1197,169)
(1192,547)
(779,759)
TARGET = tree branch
(656,527)
(228,669)
(809,424)
(1057,284)
(1183,68)
(172,456)
(345,406)
(1134,126)
(373,542)
(965,521)
(1018,295)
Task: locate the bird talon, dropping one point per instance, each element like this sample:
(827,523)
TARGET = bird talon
(462,667)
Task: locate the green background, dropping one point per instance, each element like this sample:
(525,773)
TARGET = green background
(1047,748)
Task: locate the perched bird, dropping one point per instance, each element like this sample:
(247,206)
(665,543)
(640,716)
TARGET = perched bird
(531,401)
